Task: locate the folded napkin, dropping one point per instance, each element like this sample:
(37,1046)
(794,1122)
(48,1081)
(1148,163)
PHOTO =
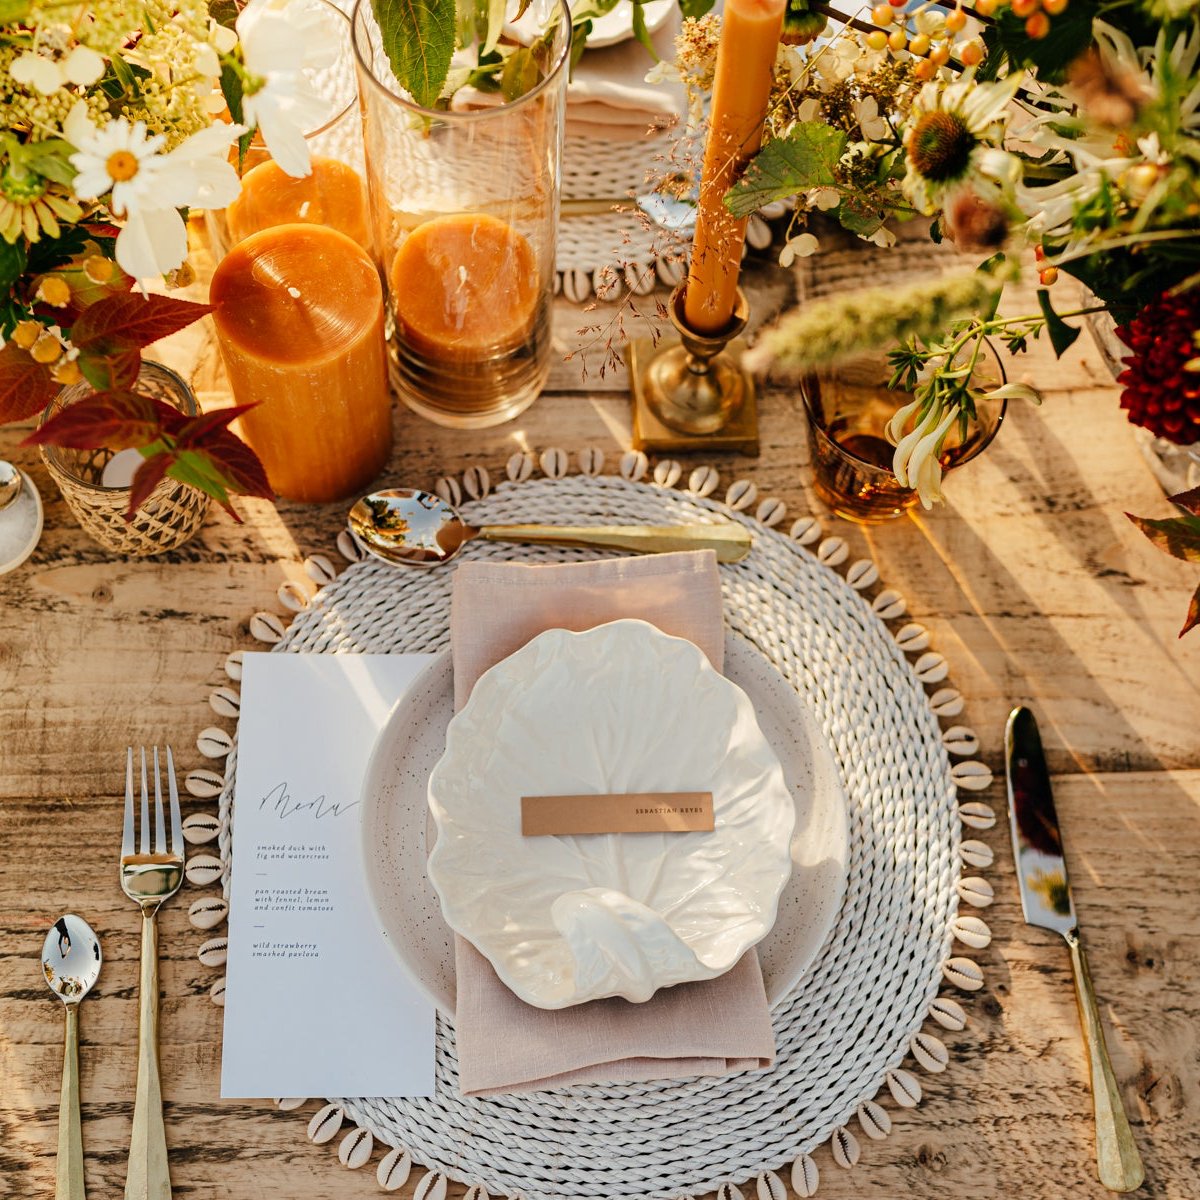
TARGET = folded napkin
(608,96)
(713,1027)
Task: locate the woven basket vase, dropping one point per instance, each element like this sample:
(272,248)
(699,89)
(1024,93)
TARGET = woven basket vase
(172,513)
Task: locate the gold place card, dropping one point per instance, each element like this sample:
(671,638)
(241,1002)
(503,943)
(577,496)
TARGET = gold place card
(627,812)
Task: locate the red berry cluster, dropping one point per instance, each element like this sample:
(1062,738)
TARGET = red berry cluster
(1161,392)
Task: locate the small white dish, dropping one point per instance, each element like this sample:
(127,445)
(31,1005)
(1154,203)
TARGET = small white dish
(398,832)
(608,28)
(621,708)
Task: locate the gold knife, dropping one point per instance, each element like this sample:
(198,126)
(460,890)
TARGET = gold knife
(1047,903)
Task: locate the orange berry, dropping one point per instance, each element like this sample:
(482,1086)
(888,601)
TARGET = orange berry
(925,70)
(985,8)
(897,3)
(1047,276)
(956,21)
(877,39)
(1054,7)
(971,53)
(897,40)
(26,333)
(46,349)
(919,45)
(940,55)
(1037,26)
(1023,8)
(882,14)
(1039,252)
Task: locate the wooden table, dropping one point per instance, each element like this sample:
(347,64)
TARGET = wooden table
(1034,585)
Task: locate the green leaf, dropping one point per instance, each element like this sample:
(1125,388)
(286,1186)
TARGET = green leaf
(418,38)
(695,8)
(12,263)
(1006,41)
(224,12)
(495,25)
(804,159)
(1062,335)
(520,74)
(639,28)
(14,11)
(1177,536)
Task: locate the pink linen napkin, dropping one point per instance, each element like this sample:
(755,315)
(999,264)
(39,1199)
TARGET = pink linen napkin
(714,1027)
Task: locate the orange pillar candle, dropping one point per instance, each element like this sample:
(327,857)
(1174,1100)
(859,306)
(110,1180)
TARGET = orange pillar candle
(332,194)
(750,31)
(299,316)
(464,288)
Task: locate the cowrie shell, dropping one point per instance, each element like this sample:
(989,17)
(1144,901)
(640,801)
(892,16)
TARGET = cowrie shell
(758,232)
(976,854)
(325,1124)
(214,952)
(806,530)
(202,869)
(667,472)
(930,1052)
(290,1103)
(874,1119)
(633,465)
(949,1014)
(972,775)
(355,1148)
(833,551)
(577,286)
(977,815)
(213,742)
(703,481)
(861,574)
(554,462)
(912,637)
(976,891)
(729,1191)
(216,993)
(266,627)
(348,548)
(394,1169)
(931,667)
(476,1192)
(319,569)
(845,1148)
(905,1089)
(606,283)
(204,783)
(293,595)
(671,270)
(973,932)
(774,210)
(741,495)
(208,912)
(639,278)
(225,702)
(889,605)
(963,973)
(477,482)
(233,665)
(769,1186)
(960,740)
(770,512)
(805,1176)
(591,461)
(199,828)
(519,466)
(431,1187)
(448,488)
(946,702)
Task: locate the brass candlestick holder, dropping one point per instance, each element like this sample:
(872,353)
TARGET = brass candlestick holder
(693,395)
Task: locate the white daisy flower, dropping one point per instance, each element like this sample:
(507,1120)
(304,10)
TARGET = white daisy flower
(146,188)
(283,42)
(953,136)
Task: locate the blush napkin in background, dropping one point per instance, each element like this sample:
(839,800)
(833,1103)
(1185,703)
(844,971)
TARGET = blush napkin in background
(714,1027)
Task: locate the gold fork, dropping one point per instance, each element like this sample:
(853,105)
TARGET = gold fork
(149,877)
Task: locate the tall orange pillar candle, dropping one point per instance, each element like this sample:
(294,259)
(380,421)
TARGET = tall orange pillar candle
(299,315)
(750,31)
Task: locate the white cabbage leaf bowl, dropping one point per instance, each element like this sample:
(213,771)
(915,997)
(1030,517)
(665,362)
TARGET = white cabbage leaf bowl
(616,709)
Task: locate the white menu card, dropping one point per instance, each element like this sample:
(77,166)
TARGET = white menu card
(316,1002)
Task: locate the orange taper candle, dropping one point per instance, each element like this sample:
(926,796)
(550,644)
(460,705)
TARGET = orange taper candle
(299,315)
(750,32)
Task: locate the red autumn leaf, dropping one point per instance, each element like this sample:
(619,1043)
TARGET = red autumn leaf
(26,387)
(116,420)
(1189,500)
(102,229)
(111,372)
(196,434)
(129,321)
(146,478)
(240,465)
(1193,614)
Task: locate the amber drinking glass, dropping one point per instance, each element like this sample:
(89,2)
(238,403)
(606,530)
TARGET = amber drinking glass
(848,409)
